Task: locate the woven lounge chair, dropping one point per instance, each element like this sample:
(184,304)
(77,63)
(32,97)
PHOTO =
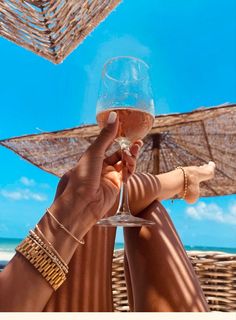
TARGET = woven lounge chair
(215,270)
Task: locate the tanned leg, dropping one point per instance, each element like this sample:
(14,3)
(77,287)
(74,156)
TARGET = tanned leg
(88,287)
(161,274)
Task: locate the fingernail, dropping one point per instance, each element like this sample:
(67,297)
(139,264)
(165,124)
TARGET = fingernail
(138,147)
(112,117)
(128,153)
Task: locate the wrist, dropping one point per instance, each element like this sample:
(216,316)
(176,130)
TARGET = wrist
(73,215)
(64,241)
(57,237)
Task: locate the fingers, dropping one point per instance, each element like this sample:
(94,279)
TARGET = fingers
(136,147)
(129,158)
(134,151)
(89,167)
(114,158)
(106,136)
(128,161)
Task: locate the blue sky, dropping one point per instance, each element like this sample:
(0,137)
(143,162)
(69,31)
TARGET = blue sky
(190,46)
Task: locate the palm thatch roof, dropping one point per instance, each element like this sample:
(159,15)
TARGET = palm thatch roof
(51,28)
(192,138)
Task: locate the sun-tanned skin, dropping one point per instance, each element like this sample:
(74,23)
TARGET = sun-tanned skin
(84,195)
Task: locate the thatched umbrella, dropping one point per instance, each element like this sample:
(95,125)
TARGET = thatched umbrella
(192,138)
(51,28)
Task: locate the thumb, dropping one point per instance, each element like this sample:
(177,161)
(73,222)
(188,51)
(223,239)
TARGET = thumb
(106,136)
(91,163)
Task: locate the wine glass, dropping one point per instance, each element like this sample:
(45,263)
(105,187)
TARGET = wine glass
(125,89)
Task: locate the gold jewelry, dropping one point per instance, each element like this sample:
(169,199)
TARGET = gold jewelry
(185,182)
(81,241)
(49,243)
(55,257)
(52,257)
(44,262)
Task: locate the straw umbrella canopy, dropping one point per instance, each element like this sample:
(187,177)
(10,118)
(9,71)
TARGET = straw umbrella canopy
(51,28)
(182,139)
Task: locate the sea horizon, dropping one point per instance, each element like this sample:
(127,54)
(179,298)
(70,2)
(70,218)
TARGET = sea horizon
(8,245)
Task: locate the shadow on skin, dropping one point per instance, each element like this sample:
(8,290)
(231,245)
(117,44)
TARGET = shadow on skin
(161,274)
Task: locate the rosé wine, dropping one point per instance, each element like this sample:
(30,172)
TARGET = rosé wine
(134,124)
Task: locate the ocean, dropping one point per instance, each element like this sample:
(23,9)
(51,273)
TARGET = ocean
(7,249)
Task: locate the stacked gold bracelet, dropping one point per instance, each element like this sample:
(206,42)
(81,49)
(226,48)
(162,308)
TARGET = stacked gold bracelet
(50,265)
(44,257)
(55,257)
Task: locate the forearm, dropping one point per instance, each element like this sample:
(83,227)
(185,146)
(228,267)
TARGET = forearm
(23,288)
(145,188)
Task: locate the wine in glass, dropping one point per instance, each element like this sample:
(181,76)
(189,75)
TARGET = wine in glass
(125,89)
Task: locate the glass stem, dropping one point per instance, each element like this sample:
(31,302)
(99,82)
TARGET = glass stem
(124,200)
(124,197)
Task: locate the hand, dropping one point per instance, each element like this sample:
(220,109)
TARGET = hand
(93,185)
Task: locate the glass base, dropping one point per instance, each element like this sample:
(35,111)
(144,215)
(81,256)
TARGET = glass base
(124,220)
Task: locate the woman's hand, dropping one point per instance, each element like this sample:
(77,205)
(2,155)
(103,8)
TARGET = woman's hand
(92,186)
(83,196)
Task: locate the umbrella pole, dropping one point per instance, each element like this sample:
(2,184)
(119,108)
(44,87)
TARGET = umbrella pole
(156,138)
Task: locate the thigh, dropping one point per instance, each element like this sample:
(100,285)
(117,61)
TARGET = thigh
(88,286)
(161,274)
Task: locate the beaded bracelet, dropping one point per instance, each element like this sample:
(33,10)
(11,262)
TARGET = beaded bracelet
(185,182)
(56,258)
(49,244)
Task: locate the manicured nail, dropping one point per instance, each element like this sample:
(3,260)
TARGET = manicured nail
(127,152)
(112,117)
(138,147)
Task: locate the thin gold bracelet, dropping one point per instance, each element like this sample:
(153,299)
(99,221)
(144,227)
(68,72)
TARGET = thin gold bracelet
(81,241)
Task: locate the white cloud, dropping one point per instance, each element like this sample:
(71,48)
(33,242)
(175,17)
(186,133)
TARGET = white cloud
(22,194)
(25,189)
(32,183)
(27,182)
(213,212)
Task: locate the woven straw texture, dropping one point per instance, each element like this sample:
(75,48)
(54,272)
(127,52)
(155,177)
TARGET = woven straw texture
(216,272)
(176,140)
(51,28)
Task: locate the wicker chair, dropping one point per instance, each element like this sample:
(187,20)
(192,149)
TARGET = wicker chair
(215,270)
